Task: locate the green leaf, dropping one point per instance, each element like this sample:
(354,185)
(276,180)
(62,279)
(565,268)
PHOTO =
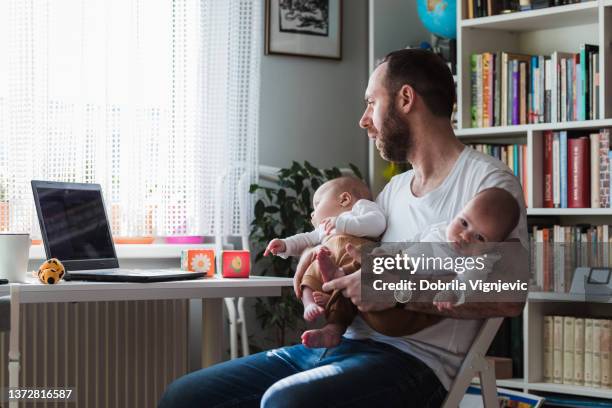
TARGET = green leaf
(272,209)
(355,170)
(313,170)
(253,188)
(260,208)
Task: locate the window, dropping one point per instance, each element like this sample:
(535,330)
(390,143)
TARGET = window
(154,100)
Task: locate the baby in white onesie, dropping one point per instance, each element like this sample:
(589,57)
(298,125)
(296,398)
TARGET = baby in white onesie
(489,217)
(343,213)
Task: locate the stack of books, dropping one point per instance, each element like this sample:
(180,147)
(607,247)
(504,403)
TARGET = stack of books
(576,170)
(513,155)
(577,351)
(484,8)
(557,251)
(516,89)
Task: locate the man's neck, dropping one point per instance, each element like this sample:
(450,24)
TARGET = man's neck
(435,151)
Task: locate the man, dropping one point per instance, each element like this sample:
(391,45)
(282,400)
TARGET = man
(409,101)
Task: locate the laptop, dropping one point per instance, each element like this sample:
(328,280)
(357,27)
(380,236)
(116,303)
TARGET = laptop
(75,230)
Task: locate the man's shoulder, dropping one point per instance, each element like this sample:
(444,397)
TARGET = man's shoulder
(484,163)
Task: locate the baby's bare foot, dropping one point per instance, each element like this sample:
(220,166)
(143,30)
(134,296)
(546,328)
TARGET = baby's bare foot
(321,298)
(328,336)
(328,269)
(312,311)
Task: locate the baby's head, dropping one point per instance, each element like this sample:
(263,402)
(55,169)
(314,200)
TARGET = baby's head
(337,196)
(488,217)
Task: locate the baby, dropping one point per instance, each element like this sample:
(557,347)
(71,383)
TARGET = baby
(478,223)
(343,213)
(489,217)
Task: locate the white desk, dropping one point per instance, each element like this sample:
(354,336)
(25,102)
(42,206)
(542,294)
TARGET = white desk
(211,290)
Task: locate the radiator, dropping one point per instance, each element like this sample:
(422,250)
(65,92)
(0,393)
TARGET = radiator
(114,354)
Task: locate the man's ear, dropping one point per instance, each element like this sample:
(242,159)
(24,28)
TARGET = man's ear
(406,98)
(345,199)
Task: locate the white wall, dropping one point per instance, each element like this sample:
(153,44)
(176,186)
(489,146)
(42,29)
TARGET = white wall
(394,24)
(310,107)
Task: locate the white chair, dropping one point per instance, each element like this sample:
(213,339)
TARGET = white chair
(476,363)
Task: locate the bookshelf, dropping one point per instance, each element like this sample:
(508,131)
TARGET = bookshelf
(541,32)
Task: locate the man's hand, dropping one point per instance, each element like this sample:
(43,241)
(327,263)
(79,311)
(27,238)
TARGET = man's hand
(275,246)
(329,224)
(308,256)
(350,285)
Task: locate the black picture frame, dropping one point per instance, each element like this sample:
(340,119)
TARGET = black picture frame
(304,28)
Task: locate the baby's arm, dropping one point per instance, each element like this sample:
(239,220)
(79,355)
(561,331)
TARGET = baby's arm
(365,220)
(295,245)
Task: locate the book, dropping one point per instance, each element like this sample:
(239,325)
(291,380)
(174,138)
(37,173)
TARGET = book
(588,352)
(604,169)
(578,172)
(486,89)
(558,349)
(474,89)
(547,339)
(563,170)
(597,323)
(548,169)
(556,171)
(594,154)
(605,352)
(568,349)
(579,351)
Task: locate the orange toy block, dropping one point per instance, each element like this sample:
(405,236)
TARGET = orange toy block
(198,260)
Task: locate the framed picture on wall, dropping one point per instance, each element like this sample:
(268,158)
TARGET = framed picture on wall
(307,28)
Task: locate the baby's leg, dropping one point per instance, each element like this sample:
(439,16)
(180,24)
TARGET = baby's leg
(329,270)
(321,298)
(311,309)
(327,336)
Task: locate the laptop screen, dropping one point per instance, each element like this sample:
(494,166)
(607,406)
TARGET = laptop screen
(75,223)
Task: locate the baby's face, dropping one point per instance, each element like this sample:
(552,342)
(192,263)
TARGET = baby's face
(326,203)
(469,228)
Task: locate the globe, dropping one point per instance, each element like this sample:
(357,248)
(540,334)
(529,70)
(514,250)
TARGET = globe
(439,17)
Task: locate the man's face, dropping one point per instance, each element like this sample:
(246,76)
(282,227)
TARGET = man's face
(382,120)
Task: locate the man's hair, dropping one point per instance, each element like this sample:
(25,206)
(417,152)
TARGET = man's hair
(426,73)
(356,187)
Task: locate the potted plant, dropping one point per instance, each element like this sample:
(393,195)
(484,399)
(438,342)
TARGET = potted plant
(282,211)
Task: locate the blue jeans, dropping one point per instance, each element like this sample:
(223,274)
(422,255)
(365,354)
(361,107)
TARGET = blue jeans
(357,373)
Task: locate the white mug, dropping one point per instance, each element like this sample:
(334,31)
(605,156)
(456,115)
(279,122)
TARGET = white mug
(14,254)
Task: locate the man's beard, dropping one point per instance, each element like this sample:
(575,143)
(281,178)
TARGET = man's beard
(395,138)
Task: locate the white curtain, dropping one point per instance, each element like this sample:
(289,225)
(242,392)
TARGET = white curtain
(153,99)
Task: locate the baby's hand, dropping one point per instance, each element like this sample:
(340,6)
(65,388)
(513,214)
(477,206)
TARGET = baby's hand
(275,246)
(329,224)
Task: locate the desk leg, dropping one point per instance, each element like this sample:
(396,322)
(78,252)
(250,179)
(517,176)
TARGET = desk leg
(212,336)
(14,355)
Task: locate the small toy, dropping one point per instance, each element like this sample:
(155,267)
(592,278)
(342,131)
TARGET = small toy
(51,271)
(236,264)
(198,260)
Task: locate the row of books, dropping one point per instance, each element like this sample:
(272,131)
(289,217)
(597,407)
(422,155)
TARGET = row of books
(515,89)
(576,170)
(557,251)
(484,8)
(513,155)
(577,351)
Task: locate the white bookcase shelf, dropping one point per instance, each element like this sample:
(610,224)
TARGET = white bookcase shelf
(541,32)
(552,17)
(570,211)
(566,297)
